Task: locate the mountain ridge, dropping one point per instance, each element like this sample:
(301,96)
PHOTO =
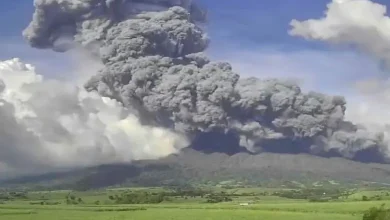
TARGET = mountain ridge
(193,167)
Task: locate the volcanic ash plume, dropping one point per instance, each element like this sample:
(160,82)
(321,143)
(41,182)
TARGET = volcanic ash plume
(154,65)
(49,124)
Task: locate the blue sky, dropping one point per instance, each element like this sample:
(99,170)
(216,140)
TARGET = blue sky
(252,36)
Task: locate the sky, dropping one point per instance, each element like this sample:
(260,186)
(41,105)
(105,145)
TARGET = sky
(253,37)
(260,38)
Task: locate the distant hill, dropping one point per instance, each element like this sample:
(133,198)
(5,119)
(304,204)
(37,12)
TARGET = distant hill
(193,167)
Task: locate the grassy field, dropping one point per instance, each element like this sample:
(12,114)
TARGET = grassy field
(169,214)
(176,208)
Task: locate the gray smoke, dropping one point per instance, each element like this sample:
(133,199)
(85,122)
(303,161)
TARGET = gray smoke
(152,51)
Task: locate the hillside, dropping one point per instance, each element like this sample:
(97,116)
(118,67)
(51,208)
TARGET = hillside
(192,167)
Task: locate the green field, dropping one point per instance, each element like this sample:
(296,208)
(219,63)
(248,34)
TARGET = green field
(262,204)
(167,214)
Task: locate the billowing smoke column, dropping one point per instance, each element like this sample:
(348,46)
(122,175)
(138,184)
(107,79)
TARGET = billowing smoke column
(152,53)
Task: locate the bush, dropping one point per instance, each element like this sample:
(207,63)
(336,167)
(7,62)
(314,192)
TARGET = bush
(318,199)
(375,213)
(45,203)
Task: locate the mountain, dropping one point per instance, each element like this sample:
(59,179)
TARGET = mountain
(193,167)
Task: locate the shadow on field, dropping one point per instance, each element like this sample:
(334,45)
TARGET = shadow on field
(18,213)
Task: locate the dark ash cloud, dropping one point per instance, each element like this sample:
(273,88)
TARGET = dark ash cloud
(154,64)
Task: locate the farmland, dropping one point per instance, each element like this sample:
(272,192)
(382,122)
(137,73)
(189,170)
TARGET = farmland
(174,204)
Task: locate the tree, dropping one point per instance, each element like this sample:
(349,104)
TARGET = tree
(211,198)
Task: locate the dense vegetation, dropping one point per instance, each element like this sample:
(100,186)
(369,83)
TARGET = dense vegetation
(375,213)
(138,198)
(313,194)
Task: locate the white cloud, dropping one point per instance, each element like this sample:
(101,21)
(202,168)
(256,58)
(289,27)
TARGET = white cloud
(361,23)
(364,25)
(49,124)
